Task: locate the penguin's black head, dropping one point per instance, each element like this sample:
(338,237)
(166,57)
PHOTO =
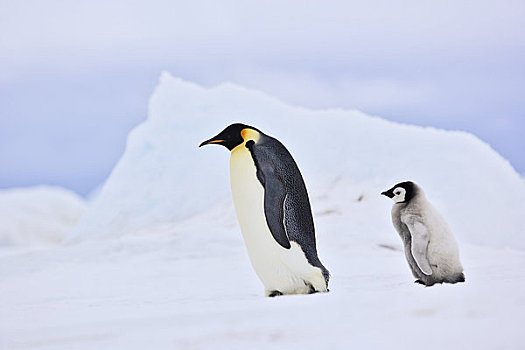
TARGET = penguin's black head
(232,136)
(403,192)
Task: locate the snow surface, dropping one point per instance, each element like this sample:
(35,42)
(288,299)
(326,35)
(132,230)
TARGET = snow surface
(158,261)
(37,215)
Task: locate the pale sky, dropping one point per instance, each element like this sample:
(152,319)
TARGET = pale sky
(75,77)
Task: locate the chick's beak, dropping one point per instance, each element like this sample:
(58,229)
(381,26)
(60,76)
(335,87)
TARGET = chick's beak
(388,194)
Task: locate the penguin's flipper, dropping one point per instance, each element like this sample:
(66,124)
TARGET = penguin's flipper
(274,196)
(420,239)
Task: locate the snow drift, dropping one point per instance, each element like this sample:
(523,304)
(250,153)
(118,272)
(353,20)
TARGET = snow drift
(38,215)
(163,177)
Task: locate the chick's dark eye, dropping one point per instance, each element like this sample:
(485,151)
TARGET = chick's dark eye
(397,192)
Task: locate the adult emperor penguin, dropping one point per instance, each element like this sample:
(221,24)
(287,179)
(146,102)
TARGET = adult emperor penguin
(430,247)
(274,212)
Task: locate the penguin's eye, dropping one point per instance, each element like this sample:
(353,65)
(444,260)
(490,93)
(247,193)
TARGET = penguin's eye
(397,193)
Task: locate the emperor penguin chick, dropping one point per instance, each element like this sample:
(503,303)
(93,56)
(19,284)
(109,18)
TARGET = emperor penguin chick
(430,247)
(274,212)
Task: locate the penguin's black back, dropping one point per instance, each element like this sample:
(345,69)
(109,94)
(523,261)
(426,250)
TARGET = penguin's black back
(275,165)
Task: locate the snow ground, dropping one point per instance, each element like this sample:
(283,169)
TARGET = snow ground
(186,286)
(157,259)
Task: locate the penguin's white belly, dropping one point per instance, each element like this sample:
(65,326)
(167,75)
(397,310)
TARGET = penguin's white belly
(279,269)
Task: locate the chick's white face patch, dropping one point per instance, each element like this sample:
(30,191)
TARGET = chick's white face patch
(399,194)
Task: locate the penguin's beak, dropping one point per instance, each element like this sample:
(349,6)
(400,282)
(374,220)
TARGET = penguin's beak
(210,141)
(388,193)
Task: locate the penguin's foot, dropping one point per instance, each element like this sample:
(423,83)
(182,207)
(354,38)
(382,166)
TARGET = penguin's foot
(312,289)
(428,283)
(274,293)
